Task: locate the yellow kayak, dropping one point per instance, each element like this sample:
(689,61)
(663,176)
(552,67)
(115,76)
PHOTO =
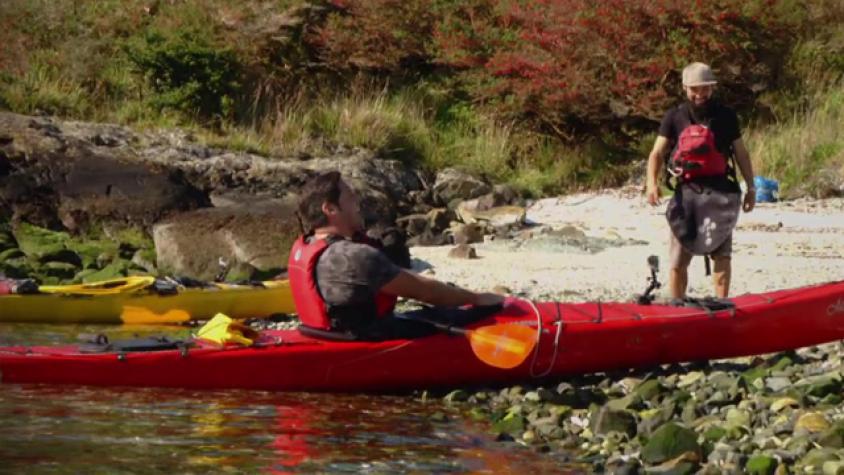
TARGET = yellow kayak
(132,300)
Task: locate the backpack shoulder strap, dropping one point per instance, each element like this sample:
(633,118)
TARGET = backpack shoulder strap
(682,112)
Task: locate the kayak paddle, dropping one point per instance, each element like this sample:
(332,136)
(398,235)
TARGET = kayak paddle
(503,345)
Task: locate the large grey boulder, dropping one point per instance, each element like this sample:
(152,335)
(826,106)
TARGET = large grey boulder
(255,235)
(68,174)
(452,184)
(54,177)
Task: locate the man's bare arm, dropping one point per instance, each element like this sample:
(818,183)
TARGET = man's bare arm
(743,161)
(409,285)
(746,169)
(655,160)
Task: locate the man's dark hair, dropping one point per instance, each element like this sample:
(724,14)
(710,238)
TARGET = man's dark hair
(323,188)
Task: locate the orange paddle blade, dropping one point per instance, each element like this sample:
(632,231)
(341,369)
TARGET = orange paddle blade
(503,346)
(137,314)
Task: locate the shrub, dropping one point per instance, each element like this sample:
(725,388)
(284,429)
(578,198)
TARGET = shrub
(390,36)
(572,66)
(187,72)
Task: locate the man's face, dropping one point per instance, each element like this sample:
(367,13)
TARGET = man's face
(698,95)
(346,214)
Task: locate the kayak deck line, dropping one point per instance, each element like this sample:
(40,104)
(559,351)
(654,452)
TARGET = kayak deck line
(559,323)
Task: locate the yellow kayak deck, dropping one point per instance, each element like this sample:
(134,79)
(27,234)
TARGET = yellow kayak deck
(147,306)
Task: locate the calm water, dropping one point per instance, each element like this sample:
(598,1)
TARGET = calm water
(59,429)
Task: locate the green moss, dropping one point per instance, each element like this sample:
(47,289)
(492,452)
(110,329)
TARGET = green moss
(37,242)
(761,465)
(91,251)
(118,268)
(133,236)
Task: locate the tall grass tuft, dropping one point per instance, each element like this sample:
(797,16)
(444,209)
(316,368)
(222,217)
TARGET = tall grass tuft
(806,152)
(43,91)
(433,134)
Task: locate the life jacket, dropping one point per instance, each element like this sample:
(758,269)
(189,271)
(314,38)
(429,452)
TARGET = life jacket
(696,154)
(313,311)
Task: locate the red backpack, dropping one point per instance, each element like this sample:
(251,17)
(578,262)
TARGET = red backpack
(696,155)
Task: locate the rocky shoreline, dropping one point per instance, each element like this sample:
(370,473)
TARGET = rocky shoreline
(85,201)
(779,413)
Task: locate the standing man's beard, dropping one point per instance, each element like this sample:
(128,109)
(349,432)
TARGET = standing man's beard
(701,112)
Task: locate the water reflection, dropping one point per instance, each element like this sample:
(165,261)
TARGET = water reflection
(67,429)
(40,334)
(52,429)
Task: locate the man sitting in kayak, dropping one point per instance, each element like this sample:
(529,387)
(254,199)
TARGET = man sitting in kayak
(342,284)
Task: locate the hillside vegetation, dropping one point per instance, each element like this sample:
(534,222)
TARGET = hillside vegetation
(549,95)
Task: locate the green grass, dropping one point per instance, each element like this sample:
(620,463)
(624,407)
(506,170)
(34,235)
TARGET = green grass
(406,126)
(806,152)
(41,90)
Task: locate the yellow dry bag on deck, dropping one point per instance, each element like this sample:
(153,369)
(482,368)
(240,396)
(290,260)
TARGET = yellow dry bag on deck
(221,330)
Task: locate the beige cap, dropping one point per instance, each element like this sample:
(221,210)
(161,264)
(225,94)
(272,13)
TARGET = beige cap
(698,74)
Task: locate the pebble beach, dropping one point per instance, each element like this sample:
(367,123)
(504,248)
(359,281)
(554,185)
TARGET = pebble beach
(776,413)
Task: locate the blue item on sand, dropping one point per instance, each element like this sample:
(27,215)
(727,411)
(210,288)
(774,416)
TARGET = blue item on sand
(766,189)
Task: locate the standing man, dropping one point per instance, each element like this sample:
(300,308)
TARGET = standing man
(703,139)
(343,285)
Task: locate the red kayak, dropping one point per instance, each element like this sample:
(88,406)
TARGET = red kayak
(574,338)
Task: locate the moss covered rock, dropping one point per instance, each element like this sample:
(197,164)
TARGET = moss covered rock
(60,270)
(15,265)
(39,243)
(670,441)
(118,268)
(511,423)
(761,465)
(7,239)
(90,252)
(10,253)
(815,459)
(649,389)
(833,437)
(607,419)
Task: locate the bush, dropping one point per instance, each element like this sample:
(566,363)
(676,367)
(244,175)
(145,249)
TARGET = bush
(390,36)
(566,67)
(187,73)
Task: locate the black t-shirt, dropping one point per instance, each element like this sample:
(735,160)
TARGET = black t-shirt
(724,124)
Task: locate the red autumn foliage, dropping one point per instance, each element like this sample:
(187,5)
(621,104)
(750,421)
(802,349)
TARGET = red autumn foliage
(377,35)
(563,66)
(574,65)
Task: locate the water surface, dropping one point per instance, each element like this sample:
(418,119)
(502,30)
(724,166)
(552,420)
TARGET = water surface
(73,429)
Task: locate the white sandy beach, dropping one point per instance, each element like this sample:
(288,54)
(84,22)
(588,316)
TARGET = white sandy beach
(777,245)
